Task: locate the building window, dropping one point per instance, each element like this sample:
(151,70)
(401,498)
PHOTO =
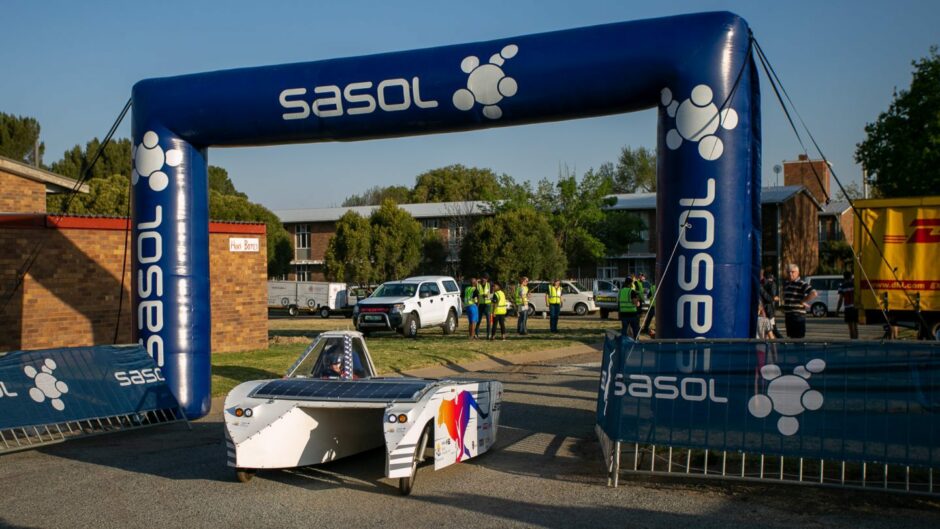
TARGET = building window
(303,273)
(431,224)
(302,236)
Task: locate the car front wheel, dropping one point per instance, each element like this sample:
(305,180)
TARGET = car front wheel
(411,326)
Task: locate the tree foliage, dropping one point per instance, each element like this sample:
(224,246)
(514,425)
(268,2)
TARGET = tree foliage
(902,147)
(219,181)
(455,183)
(114,160)
(107,195)
(396,242)
(377,194)
(348,254)
(18,137)
(513,243)
(433,253)
(635,171)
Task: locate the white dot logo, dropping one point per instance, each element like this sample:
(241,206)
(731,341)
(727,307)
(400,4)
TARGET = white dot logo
(47,385)
(697,120)
(149,161)
(487,84)
(788,395)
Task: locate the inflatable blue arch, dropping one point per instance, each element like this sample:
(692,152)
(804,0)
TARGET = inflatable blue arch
(696,69)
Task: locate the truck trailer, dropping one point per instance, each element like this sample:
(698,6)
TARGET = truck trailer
(900,262)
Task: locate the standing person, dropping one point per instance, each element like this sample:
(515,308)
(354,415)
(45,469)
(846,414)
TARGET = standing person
(847,300)
(553,300)
(470,301)
(796,297)
(484,301)
(500,306)
(522,306)
(628,304)
(770,299)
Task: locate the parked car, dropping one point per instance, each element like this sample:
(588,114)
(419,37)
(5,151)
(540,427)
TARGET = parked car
(827,290)
(605,296)
(410,304)
(574,298)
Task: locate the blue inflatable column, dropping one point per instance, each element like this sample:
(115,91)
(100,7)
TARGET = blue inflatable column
(170,264)
(708,200)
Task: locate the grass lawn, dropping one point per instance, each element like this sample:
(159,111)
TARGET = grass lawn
(393,353)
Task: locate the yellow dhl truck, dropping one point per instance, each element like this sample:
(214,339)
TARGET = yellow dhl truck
(907,231)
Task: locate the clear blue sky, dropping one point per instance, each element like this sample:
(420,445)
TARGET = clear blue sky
(71,65)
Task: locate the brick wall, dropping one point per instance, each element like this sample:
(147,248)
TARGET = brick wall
(71,293)
(20,195)
(799,237)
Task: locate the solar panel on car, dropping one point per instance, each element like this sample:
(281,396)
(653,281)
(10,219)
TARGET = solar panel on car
(342,390)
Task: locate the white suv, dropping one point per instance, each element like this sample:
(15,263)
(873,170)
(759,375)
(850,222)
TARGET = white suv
(410,304)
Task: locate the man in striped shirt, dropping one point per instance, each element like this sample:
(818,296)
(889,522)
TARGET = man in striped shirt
(797,295)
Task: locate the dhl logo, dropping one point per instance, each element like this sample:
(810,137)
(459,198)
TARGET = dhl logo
(925,231)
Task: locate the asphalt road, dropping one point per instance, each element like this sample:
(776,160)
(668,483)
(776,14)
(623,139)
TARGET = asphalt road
(545,471)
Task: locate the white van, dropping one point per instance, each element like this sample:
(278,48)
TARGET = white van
(827,290)
(575,298)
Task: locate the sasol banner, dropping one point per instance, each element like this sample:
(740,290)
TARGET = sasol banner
(853,401)
(53,386)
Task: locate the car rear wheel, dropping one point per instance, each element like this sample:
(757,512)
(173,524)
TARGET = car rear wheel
(580,309)
(324,312)
(818,310)
(450,325)
(292,310)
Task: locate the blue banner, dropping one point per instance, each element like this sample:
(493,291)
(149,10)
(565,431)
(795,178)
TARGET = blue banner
(851,401)
(53,386)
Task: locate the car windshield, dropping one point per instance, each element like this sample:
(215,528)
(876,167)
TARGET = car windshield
(395,290)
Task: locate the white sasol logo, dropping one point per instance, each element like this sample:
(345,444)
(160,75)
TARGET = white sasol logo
(149,161)
(788,395)
(697,120)
(47,385)
(487,84)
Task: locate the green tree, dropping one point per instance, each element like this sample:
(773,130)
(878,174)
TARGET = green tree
(575,211)
(219,181)
(114,160)
(18,137)
(455,183)
(377,194)
(512,243)
(107,195)
(618,230)
(834,257)
(902,147)
(635,171)
(396,242)
(433,254)
(347,255)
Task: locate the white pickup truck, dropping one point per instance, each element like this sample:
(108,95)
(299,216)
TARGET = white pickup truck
(411,304)
(331,405)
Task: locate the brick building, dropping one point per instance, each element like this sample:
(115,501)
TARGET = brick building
(71,293)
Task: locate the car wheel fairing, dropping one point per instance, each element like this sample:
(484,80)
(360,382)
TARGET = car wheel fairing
(406,484)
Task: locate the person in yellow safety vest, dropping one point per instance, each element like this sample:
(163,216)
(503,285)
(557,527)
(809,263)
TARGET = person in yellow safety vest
(470,302)
(484,302)
(500,307)
(553,300)
(628,302)
(522,306)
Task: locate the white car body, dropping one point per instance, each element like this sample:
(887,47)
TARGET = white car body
(305,420)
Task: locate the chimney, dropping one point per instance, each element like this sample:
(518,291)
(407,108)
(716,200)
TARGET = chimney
(814,175)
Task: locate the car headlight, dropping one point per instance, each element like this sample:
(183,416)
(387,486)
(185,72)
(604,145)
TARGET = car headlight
(398,307)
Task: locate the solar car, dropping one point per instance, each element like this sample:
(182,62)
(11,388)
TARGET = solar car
(331,404)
